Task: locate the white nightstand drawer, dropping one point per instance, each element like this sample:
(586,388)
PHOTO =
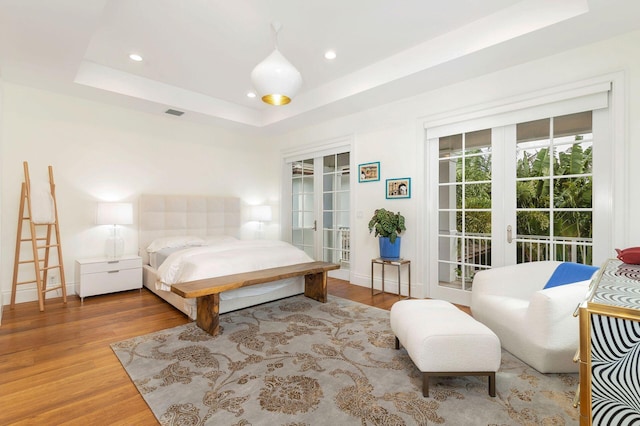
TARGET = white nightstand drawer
(102,275)
(109,282)
(91,266)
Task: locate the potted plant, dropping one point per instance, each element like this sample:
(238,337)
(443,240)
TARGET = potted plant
(387,225)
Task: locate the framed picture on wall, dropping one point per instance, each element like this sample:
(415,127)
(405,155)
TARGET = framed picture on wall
(399,188)
(369,172)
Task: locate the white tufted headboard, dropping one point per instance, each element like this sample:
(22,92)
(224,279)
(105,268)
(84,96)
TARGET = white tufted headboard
(175,215)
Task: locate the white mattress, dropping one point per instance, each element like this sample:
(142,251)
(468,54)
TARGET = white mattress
(226,258)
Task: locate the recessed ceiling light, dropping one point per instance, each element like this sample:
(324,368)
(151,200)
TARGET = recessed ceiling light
(251,95)
(330,54)
(135,57)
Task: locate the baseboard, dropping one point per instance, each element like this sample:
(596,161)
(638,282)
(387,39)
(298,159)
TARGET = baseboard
(31,294)
(390,285)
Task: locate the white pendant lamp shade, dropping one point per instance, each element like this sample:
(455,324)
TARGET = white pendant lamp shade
(275,79)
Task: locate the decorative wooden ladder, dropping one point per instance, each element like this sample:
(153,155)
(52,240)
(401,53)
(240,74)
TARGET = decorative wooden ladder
(41,253)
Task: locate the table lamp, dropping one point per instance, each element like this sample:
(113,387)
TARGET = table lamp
(114,214)
(261,214)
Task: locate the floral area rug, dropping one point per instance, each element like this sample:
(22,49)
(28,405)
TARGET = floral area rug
(300,362)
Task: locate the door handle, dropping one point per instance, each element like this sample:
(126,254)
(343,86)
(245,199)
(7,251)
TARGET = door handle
(509,234)
(315,225)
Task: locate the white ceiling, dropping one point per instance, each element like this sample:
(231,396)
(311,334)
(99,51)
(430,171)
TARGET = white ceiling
(198,54)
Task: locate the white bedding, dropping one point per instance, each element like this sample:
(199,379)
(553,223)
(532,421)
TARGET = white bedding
(228,257)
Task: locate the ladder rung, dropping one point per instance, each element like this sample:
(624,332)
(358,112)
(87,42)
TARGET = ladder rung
(30,261)
(51,289)
(27,282)
(39,260)
(48,246)
(50,267)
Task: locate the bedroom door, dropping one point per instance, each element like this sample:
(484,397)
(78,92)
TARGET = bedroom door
(320,209)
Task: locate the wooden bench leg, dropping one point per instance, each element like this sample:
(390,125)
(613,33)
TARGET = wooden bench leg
(315,286)
(208,314)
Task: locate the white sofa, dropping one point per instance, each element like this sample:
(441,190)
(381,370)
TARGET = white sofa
(534,324)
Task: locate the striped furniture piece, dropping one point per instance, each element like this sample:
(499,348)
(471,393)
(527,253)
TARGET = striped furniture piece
(609,353)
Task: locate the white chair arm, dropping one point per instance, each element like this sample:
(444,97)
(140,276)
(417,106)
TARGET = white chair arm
(519,281)
(550,314)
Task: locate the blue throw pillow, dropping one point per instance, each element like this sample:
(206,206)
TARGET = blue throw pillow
(568,272)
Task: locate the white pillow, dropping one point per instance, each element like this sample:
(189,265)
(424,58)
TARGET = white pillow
(171,242)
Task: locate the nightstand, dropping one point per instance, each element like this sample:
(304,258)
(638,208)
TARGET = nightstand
(102,275)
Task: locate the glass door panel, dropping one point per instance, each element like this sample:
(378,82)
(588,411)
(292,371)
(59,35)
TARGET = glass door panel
(464,208)
(554,189)
(335,209)
(302,206)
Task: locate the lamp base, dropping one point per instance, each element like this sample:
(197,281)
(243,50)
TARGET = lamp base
(114,247)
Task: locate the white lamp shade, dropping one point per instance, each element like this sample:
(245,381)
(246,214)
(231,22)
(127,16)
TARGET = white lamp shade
(114,214)
(276,80)
(261,213)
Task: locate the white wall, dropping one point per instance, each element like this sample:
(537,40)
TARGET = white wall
(101,152)
(393,135)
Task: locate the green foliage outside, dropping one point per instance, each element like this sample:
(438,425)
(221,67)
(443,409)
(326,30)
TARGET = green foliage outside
(534,192)
(477,195)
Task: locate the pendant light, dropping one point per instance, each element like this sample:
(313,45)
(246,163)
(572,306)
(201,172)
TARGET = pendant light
(276,80)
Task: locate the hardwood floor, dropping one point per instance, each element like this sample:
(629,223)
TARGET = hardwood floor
(56,367)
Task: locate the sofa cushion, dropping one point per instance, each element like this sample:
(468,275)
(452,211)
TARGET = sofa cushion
(569,272)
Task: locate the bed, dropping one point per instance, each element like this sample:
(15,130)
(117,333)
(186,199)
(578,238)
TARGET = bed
(177,232)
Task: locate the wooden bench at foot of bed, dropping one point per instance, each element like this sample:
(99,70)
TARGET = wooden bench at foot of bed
(207,291)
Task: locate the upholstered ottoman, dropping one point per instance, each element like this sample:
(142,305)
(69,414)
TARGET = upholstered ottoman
(444,341)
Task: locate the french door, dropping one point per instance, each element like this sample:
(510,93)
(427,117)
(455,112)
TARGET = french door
(320,208)
(511,194)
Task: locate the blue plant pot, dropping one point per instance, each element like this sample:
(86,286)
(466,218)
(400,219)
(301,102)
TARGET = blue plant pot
(388,250)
